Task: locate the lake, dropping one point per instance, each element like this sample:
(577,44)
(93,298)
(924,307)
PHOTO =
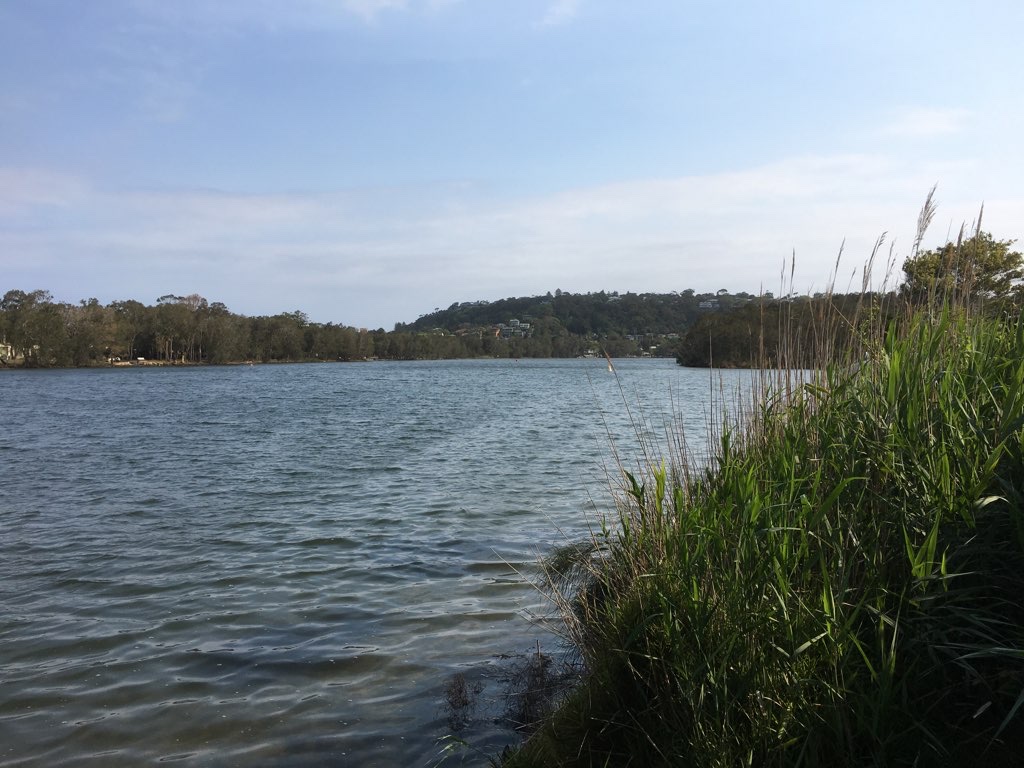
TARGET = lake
(283,565)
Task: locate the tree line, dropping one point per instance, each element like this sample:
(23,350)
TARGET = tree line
(978,273)
(41,332)
(585,314)
(720,329)
(38,331)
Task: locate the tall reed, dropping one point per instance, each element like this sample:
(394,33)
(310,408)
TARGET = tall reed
(842,585)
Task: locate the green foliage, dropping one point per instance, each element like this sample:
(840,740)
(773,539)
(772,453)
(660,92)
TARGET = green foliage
(190,330)
(978,267)
(579,314)
(764,332)
(177,329)
(840,586)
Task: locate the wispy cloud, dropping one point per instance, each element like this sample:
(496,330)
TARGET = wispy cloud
(228,14)
(561,12)
(369,251)
(440,5)
(369,10)
(25,190)
(927,122)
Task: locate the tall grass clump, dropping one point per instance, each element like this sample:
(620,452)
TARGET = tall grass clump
(841,585)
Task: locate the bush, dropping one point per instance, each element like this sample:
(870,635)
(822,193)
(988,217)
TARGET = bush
(841,586)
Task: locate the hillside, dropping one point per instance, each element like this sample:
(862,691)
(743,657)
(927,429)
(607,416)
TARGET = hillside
(37,331)
(582,314)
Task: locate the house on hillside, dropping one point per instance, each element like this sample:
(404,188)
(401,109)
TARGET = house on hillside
(514,328)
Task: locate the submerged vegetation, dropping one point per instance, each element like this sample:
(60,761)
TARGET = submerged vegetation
(840,586)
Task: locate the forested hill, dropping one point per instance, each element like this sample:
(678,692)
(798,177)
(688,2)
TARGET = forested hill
(584,314)
(720,329)
(38,331)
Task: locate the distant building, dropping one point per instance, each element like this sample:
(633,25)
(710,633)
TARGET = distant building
(514,328)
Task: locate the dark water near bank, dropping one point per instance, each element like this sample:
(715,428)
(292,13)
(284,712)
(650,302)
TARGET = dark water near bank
(282,565)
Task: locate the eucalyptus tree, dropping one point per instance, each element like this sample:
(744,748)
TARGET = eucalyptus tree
(132,320)
(89,331)
(973,268)
(35,327)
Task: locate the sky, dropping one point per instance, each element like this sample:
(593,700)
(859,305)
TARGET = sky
(367,161)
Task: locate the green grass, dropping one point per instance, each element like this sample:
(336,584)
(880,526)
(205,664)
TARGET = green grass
(842,584)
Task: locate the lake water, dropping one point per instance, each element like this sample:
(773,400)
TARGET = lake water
(283,565)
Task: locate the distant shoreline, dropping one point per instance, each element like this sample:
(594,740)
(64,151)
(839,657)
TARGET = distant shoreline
(132,364)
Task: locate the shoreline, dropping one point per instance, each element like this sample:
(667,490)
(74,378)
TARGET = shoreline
(130,364)
(812,593)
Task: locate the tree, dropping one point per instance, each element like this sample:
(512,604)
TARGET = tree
(978,267)
(34,326)
(180,324)
(89,332)
(132,319)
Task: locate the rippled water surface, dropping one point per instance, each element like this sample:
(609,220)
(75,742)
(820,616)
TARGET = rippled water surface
(282,565)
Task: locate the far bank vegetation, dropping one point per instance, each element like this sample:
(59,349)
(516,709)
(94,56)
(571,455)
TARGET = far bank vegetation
(841,584)
(720,329)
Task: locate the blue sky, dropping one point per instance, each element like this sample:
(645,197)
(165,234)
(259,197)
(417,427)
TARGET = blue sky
(366,161)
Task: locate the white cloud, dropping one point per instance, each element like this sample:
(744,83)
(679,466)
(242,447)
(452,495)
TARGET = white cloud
(440,5)
(561,12)
(24,189)
(368,10)
(924,122)
(228,14)
(385,255)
